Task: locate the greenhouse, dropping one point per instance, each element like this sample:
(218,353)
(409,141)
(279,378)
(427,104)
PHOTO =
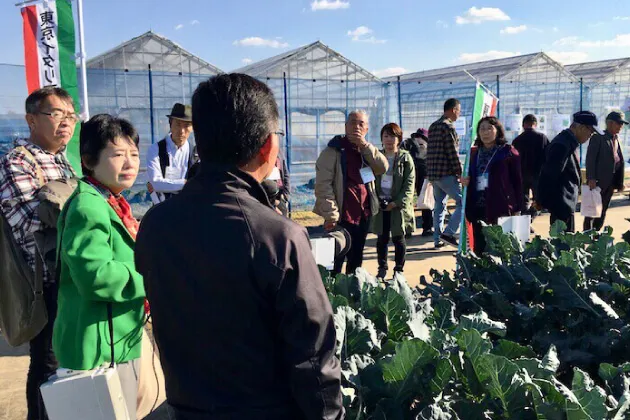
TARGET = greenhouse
(606,88)
(141,79)
(525,84)
(316,88)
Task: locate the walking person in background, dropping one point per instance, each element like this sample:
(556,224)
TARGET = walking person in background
(560,178)
(444,170)
(345,194)
(605,167)
(395,191)
(98,281)
(495,180)
(417,147)
(531,147)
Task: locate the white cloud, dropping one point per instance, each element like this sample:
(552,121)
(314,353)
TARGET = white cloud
(255,41)
(329,5)
(489,55)
(621,40)
(390,71)
(513,30)
(361,35)
(178,27)
(483,14)
(441,24)
(194,22)
(567,40)
(555,29)
(247,61)
(568,57)
(621,18)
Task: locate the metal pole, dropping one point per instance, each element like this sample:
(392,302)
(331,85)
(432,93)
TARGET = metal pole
(287,146)
(151,105)
(581,93)
(82,64)
(498,97)
(399,105)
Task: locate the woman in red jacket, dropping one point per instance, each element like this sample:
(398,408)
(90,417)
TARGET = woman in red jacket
(494,179)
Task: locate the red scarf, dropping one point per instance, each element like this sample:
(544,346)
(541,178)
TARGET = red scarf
(120,206)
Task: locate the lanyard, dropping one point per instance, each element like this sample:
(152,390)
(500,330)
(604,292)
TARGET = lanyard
(488,164)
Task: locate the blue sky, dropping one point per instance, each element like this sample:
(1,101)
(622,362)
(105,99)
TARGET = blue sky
(383,36)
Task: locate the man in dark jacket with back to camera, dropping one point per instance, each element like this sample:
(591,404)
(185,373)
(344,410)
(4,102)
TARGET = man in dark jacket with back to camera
(240,313)
(560,177)
(531,146)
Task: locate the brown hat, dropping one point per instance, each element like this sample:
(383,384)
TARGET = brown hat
(181,112)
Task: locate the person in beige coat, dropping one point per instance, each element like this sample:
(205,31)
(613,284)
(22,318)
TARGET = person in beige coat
(345,194)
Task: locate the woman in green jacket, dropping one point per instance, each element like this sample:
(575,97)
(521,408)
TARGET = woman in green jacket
(395,190)
(97,272)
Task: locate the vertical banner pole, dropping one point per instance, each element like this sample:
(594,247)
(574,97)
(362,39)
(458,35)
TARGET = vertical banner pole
(287,146)
(151,104)
(82,64)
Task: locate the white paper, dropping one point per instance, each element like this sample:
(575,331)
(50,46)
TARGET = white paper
(367,175)
(560,122)
(542,123)
(460,126)
(591,202)
(518,225)
(324,252)
(426,201)
(513,122)
(387,181)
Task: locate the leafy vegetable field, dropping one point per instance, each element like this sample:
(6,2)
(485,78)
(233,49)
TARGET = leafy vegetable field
(534,333)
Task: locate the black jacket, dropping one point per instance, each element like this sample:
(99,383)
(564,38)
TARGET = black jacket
(531,147)
(559,184)
(240,313)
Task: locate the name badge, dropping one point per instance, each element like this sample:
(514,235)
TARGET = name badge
(387,181)
(367,175)
(482,182)
(172,173)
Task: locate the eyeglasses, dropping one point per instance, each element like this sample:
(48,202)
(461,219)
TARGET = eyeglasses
(59,116)
(279,133)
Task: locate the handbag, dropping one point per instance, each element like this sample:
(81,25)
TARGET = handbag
(591,202)
(426,201)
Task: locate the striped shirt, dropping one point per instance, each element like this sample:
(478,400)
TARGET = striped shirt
(442,150)
(19,185)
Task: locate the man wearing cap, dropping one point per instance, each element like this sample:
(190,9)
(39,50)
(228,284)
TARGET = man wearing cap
(560,178)
(417,147)
(169,160)
(605,165)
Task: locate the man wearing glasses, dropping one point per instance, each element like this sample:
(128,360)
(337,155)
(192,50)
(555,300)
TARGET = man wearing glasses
(560,177)
(32,163)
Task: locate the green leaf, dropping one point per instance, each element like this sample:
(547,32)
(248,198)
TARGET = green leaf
(403,371)
(352,366)
(388,409)
(435,412)
(473,344)
(443,316)
(558,228)
(337,301)
(623,410)
(396,312)
(550,362)
(549,403)
(444,372)
(591,398)
(500,244)
(502,380)
(563,283)
(419,329)
(355,333)
(482,323)
(400,285)
(512,350)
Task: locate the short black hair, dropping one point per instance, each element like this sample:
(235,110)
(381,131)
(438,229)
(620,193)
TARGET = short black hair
(501,140)
(100,130)
(36,97)
(530,119)
(232,117)
(450,104)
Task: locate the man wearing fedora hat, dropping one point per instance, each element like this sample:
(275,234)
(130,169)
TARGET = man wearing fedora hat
(605,165)
(169,160)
